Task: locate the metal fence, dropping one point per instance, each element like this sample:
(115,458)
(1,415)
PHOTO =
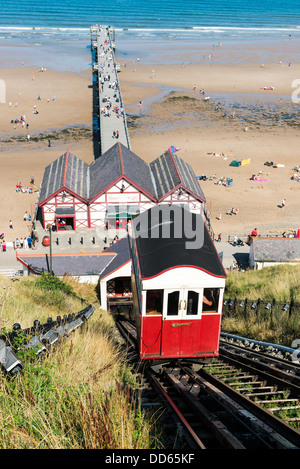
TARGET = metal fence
(247,239)
(268,309)
(39,338)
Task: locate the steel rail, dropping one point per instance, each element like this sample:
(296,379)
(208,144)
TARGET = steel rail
(275,432)
(189,432)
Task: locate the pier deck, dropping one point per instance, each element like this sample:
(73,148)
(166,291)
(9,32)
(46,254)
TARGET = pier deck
(111,112)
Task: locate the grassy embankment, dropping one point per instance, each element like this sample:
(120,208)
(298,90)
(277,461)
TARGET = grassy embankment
(78,396)
(281,283)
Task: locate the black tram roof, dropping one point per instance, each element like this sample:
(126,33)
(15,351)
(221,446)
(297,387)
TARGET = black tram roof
(157,252)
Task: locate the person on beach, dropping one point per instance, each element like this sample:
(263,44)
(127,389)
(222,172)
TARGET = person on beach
(11,224)
(283,203)
(3,246)
(25,216)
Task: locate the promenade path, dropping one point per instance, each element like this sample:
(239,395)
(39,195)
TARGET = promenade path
(93,241)
(112,117)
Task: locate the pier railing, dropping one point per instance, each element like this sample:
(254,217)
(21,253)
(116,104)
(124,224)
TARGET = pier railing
(114,123)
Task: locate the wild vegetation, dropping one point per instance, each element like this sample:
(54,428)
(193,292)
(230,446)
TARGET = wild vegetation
(277,285)
(82,395)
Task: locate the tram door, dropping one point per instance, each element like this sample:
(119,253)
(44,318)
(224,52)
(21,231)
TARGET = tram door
(181,322)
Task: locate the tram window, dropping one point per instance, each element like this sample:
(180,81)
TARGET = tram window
(173,301)
(210,299)
(154,301)
(192,302)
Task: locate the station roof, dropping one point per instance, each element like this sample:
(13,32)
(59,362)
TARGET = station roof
(68,172)
(276,249)
(116,162)
(157,179)
(67,264)
(159,253)
(170,171)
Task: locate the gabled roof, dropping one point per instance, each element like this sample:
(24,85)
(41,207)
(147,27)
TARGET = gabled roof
(119,162)
(66,172)
(165,174)
(170,172)
(122,257)
(158,252)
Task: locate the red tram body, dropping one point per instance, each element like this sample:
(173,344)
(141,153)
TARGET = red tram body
(177,290)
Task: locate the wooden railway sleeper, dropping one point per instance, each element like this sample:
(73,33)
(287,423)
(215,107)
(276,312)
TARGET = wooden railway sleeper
(283,408)
(274,401)
(243,376)
(253,384)
(271,392)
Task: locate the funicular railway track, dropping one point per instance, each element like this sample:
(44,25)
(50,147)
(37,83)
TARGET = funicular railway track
(229,403)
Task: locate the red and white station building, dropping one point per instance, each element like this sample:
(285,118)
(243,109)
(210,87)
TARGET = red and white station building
(114,187)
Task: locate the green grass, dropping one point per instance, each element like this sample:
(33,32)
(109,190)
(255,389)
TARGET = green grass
(279,282)
(82,395)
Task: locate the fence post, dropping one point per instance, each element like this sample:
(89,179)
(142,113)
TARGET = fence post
(291,308)
(257,310)
(272,312)
(245,310)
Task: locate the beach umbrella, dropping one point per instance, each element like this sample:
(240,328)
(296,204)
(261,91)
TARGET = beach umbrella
(173,149)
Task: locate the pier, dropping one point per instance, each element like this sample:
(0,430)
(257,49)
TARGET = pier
(111,117)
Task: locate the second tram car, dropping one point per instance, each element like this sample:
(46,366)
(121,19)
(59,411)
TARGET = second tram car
(177,287)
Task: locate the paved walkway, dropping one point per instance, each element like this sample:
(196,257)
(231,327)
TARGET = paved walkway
(232,254)
(93,240)
(84,240)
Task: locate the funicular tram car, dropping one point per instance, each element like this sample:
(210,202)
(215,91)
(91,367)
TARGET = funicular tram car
(177,290)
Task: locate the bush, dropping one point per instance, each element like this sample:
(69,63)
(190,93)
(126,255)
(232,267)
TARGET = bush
(53,283)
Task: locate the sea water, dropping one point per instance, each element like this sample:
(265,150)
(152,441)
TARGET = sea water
(56,33)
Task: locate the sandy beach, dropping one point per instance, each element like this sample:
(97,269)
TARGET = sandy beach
(64,116)
(173,113)
(209,141)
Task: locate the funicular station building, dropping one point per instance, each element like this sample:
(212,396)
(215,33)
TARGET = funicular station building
(114,187)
